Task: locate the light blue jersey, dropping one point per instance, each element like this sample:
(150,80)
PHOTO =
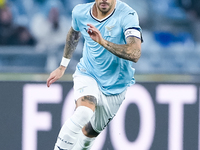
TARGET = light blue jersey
(113,74)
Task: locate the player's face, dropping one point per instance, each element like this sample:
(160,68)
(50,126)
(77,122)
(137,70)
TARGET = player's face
(105,6)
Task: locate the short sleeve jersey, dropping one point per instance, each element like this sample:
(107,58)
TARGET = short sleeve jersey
(113,74)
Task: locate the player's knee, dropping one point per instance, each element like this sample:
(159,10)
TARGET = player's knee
(82,115)
(89,131)
(88,101)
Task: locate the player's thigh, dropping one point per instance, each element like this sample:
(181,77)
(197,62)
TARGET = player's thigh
(86,91)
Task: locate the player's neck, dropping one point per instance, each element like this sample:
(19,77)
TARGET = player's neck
(100,15)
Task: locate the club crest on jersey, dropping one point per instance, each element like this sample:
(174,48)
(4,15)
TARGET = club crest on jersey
(109,28)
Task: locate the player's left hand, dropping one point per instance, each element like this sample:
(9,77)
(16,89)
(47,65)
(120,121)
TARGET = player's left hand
(95,34)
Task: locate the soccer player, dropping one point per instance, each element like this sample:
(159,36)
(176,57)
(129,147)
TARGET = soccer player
(112,43)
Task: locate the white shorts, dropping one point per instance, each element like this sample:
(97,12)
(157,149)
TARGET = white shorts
(107,105)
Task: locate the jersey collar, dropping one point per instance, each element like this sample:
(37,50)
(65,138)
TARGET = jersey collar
(102,20)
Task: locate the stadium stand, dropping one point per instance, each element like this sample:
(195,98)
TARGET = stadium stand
(171,45)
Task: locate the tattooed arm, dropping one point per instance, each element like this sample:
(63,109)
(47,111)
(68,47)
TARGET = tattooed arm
(70,45)
(71,42)
(130,51)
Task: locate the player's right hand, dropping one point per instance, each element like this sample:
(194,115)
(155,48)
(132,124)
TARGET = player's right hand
(95,34)
(55,75)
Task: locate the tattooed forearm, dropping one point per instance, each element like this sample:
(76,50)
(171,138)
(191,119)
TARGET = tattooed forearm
(71,43)
(130,51)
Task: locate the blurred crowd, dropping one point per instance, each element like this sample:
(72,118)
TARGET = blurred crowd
(11,33)
(192,8)
(43,24)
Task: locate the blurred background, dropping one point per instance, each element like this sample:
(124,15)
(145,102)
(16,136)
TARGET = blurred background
(161,112)
(33,33)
